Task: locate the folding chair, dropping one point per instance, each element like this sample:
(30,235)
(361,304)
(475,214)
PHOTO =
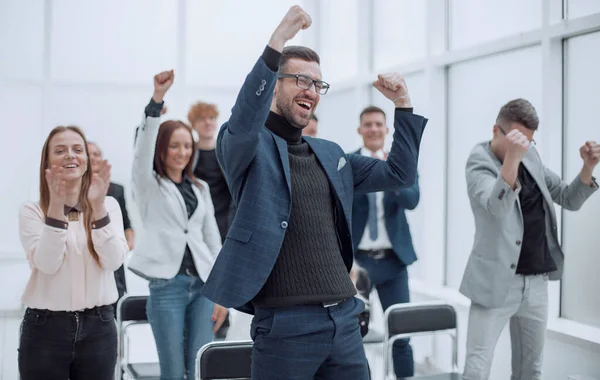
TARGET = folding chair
(224,360)
(131,310)
(420,319)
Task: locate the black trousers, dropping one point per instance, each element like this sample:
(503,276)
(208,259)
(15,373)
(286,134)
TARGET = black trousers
(60,345)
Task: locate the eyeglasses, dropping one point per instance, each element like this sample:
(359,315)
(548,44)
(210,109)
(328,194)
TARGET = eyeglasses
(305,82)
(504,133)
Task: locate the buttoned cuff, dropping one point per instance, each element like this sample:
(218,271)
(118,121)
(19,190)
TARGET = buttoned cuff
(96,225)
(57,223)
(271,58)
(153,109)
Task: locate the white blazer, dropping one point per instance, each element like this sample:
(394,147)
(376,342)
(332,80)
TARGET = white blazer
(167,228)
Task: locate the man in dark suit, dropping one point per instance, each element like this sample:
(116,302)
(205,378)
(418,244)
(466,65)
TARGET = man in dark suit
(288,251)
(118,192)
(382,239)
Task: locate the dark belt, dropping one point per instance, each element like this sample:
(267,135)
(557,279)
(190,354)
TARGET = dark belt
(332,303)
(93,311)
(192,272)
(377,253)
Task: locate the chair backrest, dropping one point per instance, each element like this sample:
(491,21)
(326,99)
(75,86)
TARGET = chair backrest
(132,308)
(412,318)
(224,360)
(420,318)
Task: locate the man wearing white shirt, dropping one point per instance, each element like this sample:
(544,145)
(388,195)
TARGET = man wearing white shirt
(383,243)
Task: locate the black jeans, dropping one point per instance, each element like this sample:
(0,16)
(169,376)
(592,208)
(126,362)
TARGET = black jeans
(61,345)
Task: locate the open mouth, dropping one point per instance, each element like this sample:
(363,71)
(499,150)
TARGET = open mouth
(304,105)
(70,166)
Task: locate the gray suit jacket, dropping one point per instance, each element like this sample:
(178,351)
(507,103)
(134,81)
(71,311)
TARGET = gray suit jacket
(499,222)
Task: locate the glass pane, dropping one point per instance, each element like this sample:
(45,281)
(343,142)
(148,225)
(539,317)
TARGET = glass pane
(473,21)
(339,38)
(581,239)
(476,91)
(21,39)
(93,42)
(400,32)
(580,8)
(20,151)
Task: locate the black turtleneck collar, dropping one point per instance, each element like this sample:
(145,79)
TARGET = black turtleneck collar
(278,125)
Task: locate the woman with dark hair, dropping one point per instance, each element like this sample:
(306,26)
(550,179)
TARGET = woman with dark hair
(181,238)
(74,241)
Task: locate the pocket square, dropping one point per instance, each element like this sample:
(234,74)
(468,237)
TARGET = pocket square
(341,163)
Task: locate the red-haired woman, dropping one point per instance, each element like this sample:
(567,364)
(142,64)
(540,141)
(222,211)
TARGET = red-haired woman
(74,241)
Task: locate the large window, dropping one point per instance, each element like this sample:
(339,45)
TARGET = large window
(581,237)
(476,91)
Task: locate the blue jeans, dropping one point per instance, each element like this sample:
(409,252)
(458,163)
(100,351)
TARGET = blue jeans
(309,342)
(181,323)
(77,345)
(390,277)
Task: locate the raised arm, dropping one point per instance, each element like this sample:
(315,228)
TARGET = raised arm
(408,198)
(238,138)
(572,196)
(145,143)
(400,169)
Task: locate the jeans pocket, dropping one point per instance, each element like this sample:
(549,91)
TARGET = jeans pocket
(158,283)
(263,323)
(35,317)
(106,314)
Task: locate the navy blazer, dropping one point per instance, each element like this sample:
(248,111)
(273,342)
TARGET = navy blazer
(394,205)
(256,166)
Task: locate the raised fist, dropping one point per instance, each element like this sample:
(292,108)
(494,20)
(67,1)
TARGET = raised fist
(590,153)
(295,20)
(518,145)
(162,83)
(393,87)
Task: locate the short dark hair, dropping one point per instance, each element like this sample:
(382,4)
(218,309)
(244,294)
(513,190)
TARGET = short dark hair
(372,109)
(314,117)
(519,111)
(300,52)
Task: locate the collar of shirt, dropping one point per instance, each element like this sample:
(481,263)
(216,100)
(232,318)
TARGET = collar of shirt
(68,209)
(366,152)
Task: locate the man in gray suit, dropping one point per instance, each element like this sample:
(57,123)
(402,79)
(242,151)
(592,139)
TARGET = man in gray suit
(516,249)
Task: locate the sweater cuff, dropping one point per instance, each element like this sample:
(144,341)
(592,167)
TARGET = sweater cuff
(271,58)
(153,109)
(408,109)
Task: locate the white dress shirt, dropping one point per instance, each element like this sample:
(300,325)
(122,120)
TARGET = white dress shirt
(383,239)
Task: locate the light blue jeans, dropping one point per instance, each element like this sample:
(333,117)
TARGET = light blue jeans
(181,323)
